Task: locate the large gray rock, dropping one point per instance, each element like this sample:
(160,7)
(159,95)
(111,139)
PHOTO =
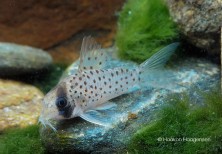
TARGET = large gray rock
(199,21)
(18,59)
(134,110)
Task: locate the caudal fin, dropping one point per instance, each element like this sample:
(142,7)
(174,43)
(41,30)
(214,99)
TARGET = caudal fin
(159,59)
(152,72)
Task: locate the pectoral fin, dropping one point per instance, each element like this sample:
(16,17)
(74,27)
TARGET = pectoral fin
(96,118)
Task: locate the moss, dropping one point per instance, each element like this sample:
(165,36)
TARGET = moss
(21,141)
(182,119)
(144,27)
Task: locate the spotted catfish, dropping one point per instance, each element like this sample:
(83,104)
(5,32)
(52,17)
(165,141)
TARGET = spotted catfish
(89,90)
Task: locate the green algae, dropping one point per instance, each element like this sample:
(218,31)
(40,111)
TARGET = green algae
(179,123)
(144,27)
(21,141)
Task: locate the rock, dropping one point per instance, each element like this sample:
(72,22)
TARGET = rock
(20,104)
(199,21)
(17,59)
(134,110)
(44,24)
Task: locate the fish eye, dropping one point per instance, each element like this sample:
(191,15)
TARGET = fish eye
(61,102)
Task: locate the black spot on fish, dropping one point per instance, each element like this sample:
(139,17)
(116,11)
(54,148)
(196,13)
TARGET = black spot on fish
(103,77)
(116,82)
(105,83)
(97,71)
(126,82)
(85,83)
(76,84)
(94,81)
(100,63)
(88,58)
(80,78)
(91,72)
(91,67)
(112,74)
(99,78)
(87,76)
(80,86)
(72,87)
(117,72)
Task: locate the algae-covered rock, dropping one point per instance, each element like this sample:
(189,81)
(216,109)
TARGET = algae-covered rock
(132,112)
(199,21)
(18,59)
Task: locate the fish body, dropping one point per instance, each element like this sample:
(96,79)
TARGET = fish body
(89,90)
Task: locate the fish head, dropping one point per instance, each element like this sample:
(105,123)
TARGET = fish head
(56,104)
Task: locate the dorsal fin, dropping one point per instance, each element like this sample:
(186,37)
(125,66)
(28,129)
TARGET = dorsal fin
(91,56)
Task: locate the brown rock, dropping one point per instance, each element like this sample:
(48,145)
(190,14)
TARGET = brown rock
(20,104)
(199,21)
(46,23)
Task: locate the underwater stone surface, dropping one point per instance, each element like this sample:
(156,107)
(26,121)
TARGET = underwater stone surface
(199,21)
(134,110)
(20,104)
(18,59)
